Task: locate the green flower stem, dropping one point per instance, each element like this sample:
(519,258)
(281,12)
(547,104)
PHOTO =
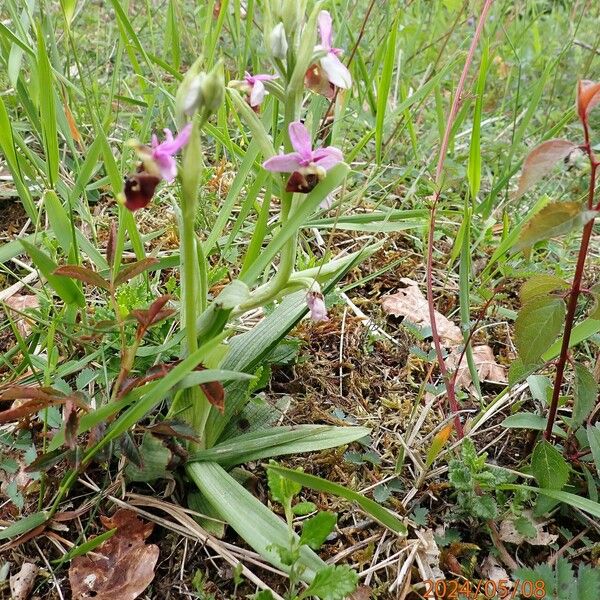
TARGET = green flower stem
(270,290)
(191,405)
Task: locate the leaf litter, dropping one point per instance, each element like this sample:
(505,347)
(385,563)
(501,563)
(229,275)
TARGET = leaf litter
(121,567)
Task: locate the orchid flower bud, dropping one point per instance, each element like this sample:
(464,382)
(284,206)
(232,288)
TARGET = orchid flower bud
(200,92)
(278,42)
(213,89)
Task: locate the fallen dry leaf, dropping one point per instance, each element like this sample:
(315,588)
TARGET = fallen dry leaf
(487,367)
(428,556)
(410,303)
(22,582)
(362,592)
(120,568)
(491,569)
(20,304)
(508,533)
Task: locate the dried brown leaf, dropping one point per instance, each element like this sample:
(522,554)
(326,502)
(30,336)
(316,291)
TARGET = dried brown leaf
(492,570)
(122,567)
(21,584)
(541,160)
(19,304)
(487,367)
(410,303)
(508,533)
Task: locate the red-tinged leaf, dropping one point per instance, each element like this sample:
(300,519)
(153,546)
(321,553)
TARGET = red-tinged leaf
(175,429)
(541,160)
(25,392)
(83,274)
(111,244)
(588,95)
(71,420)
(133,269)
(155,372)
(215,394)
(558,218)
(151,316)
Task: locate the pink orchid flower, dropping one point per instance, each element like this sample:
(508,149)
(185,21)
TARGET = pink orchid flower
(336,71)
(304,160)
(162,153)
(316,305)
(257,88)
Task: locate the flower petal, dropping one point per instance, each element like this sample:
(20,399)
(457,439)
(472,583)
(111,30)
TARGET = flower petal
(283,163)
(336,71)
(327,157)
(316,305)
(172,146)
(257,95)
(266,77)
(166,165)
(300,139)
(326,29)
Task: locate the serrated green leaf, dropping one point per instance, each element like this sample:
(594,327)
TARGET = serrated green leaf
(586,394)
(541,285)
(588,583)
(316,529)
(566,586)
(548,466)
(555,219)
(537,325)
(485,507)
(332,583)
(525,527)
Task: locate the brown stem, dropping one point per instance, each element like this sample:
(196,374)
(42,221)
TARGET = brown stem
(575,290)
(450,392)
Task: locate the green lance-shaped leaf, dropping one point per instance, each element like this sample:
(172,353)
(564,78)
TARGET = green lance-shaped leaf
(378,512)
(64,287)
(537,326)
(555,219)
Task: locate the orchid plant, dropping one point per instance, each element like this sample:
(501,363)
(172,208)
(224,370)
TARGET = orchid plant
(303,174)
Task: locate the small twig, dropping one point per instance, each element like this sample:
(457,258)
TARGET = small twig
(506,558)
(552,560)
